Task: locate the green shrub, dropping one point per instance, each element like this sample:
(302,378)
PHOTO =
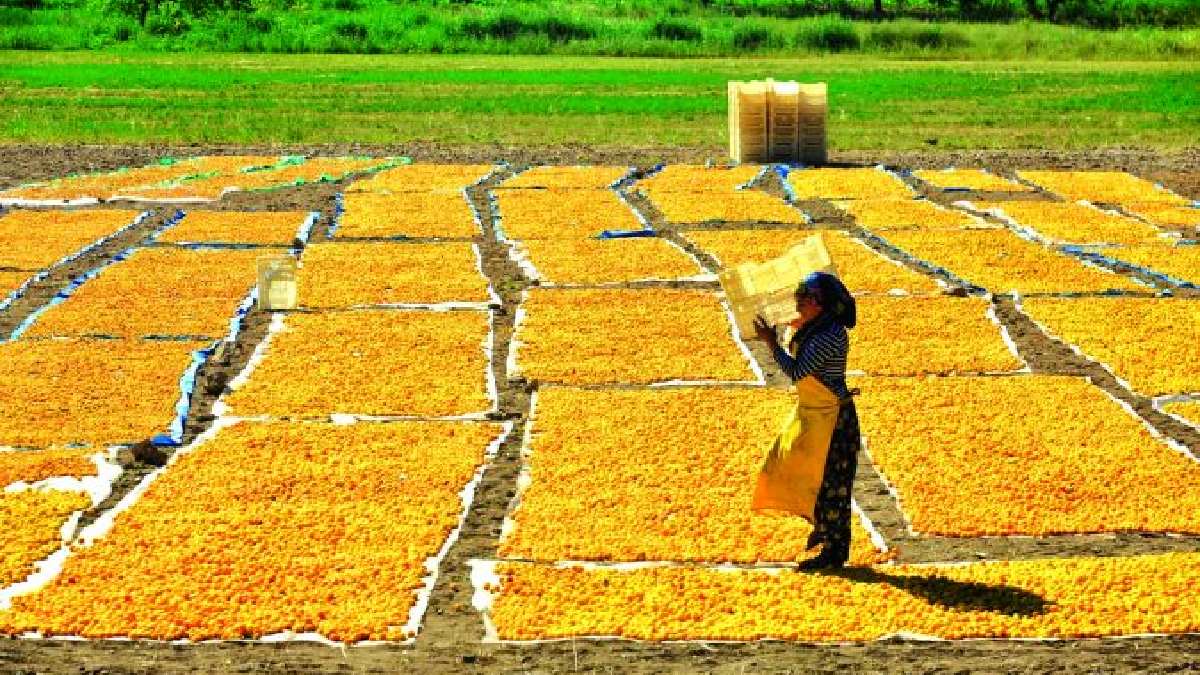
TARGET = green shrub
(533,43)
(508,26)
(28,39)
(986,10)
(503,26)
(908,35)
(343,44)
(115,29)
(565,30)
(784,9)
(827,34)
(352,30)
(1118,13)
(672,28)
(168,19)
(257,23)
(748,37)
(124,32)
(15,16)
(414,19)
(669,28)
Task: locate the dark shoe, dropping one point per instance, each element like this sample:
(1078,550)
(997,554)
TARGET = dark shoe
(821,562)
(814,540)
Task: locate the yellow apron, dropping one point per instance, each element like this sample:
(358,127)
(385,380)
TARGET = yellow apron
(792,473)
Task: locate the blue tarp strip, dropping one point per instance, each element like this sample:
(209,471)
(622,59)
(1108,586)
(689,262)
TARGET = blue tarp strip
(762,172)
(641,218)
(1101,259)
(38,276)
(78,281)
(339,207)
(497,218)
(782,170)
(623,234)
(187,385)
(623,179)
(19,291)
(243,308)
(306,228)
(174,220)
(63,294)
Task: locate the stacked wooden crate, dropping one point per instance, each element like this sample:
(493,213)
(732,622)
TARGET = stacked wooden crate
(773,121)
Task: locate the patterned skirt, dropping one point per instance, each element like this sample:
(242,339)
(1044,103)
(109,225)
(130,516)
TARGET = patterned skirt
(833,513)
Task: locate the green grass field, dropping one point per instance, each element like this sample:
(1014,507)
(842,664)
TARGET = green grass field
(954,29)
(49,97)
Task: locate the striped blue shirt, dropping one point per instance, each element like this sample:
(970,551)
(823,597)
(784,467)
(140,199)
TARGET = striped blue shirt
(820,353)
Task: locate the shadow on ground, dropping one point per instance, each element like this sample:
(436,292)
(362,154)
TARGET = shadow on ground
(951,594)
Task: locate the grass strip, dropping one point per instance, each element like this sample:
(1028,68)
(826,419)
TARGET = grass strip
(874,103)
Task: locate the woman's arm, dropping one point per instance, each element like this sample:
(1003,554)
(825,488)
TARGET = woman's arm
(814,354)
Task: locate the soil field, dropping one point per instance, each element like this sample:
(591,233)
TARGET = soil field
(451,632)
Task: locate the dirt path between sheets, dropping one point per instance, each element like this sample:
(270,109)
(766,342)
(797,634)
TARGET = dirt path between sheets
(451,632)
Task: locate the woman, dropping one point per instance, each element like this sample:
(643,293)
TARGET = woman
(810,469)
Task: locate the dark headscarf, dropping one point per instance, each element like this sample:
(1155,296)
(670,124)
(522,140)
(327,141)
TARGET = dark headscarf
(833,296)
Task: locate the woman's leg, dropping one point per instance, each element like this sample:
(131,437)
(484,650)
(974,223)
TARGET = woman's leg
(833,511)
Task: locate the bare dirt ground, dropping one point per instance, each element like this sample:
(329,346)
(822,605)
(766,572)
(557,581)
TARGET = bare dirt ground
(450,638)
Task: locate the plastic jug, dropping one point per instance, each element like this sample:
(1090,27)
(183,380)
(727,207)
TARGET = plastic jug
(277,282)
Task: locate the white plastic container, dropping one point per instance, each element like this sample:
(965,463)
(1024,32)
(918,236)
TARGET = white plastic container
(277,282)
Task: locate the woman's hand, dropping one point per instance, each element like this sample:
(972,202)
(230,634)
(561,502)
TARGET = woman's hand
(763,331)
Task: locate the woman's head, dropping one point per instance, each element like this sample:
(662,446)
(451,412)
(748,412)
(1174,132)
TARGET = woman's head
(823,292)
(808,302)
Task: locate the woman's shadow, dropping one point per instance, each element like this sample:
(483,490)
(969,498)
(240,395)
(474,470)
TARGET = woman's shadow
(958,595)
